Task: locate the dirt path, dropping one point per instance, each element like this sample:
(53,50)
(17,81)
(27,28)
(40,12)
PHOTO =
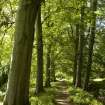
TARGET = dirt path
(61,96)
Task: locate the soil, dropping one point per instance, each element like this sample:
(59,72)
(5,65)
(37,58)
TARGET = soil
(62,95)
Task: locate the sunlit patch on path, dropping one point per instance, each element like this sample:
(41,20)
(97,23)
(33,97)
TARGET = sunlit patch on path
(61,97)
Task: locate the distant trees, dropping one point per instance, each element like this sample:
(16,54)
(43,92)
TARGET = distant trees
(81,41)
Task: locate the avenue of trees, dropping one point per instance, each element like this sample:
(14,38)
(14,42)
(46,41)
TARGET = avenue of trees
(41,40)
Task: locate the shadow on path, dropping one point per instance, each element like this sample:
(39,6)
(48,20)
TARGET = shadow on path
(62,96)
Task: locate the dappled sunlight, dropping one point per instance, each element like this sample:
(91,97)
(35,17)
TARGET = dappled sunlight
(1,103)
(99,79)
(60,76)
(61,95)
(61,102)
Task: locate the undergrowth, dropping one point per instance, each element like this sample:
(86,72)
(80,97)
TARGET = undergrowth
(45,98)
(81,97)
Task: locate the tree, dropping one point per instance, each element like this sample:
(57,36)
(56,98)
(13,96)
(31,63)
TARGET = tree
(91,43)
(48,66)
(53,72)
(18,83)
(39,79)
(81,46)
(76,53)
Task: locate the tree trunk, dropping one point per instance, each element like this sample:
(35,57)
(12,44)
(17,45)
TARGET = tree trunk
(53,78)
(53,72)
(76,53)
(18,83)
(39,79)
(91,43)
(48,64)
(81,46)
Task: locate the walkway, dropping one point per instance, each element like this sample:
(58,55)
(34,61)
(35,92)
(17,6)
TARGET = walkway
(62,96)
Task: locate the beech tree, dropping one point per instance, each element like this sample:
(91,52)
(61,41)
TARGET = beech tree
(18,83)
(81,46)
(91,43)
(39,79)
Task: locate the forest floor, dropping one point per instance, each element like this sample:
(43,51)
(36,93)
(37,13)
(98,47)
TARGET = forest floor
(62,95)
(66,94)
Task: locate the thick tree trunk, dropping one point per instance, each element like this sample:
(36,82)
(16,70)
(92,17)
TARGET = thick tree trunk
(48,64)
(91,43)
(39,79)
(18,83)
(76,53)
(81,46)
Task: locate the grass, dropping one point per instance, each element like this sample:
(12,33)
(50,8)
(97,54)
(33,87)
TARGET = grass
(45,98)
(81,97)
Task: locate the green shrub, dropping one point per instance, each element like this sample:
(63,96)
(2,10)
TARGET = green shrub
(45,98)
(80,97)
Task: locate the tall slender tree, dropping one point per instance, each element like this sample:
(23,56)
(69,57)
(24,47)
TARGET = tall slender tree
(76,53)
(18,83)
(91,43)
(48,65)
(39,79)
(81,46)
(53,77)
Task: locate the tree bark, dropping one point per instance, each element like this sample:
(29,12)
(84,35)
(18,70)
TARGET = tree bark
(53,72)
(91,43)
(76,54)
(39,79)
(18,83)
(81,46)
(53,78)
(48,64)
